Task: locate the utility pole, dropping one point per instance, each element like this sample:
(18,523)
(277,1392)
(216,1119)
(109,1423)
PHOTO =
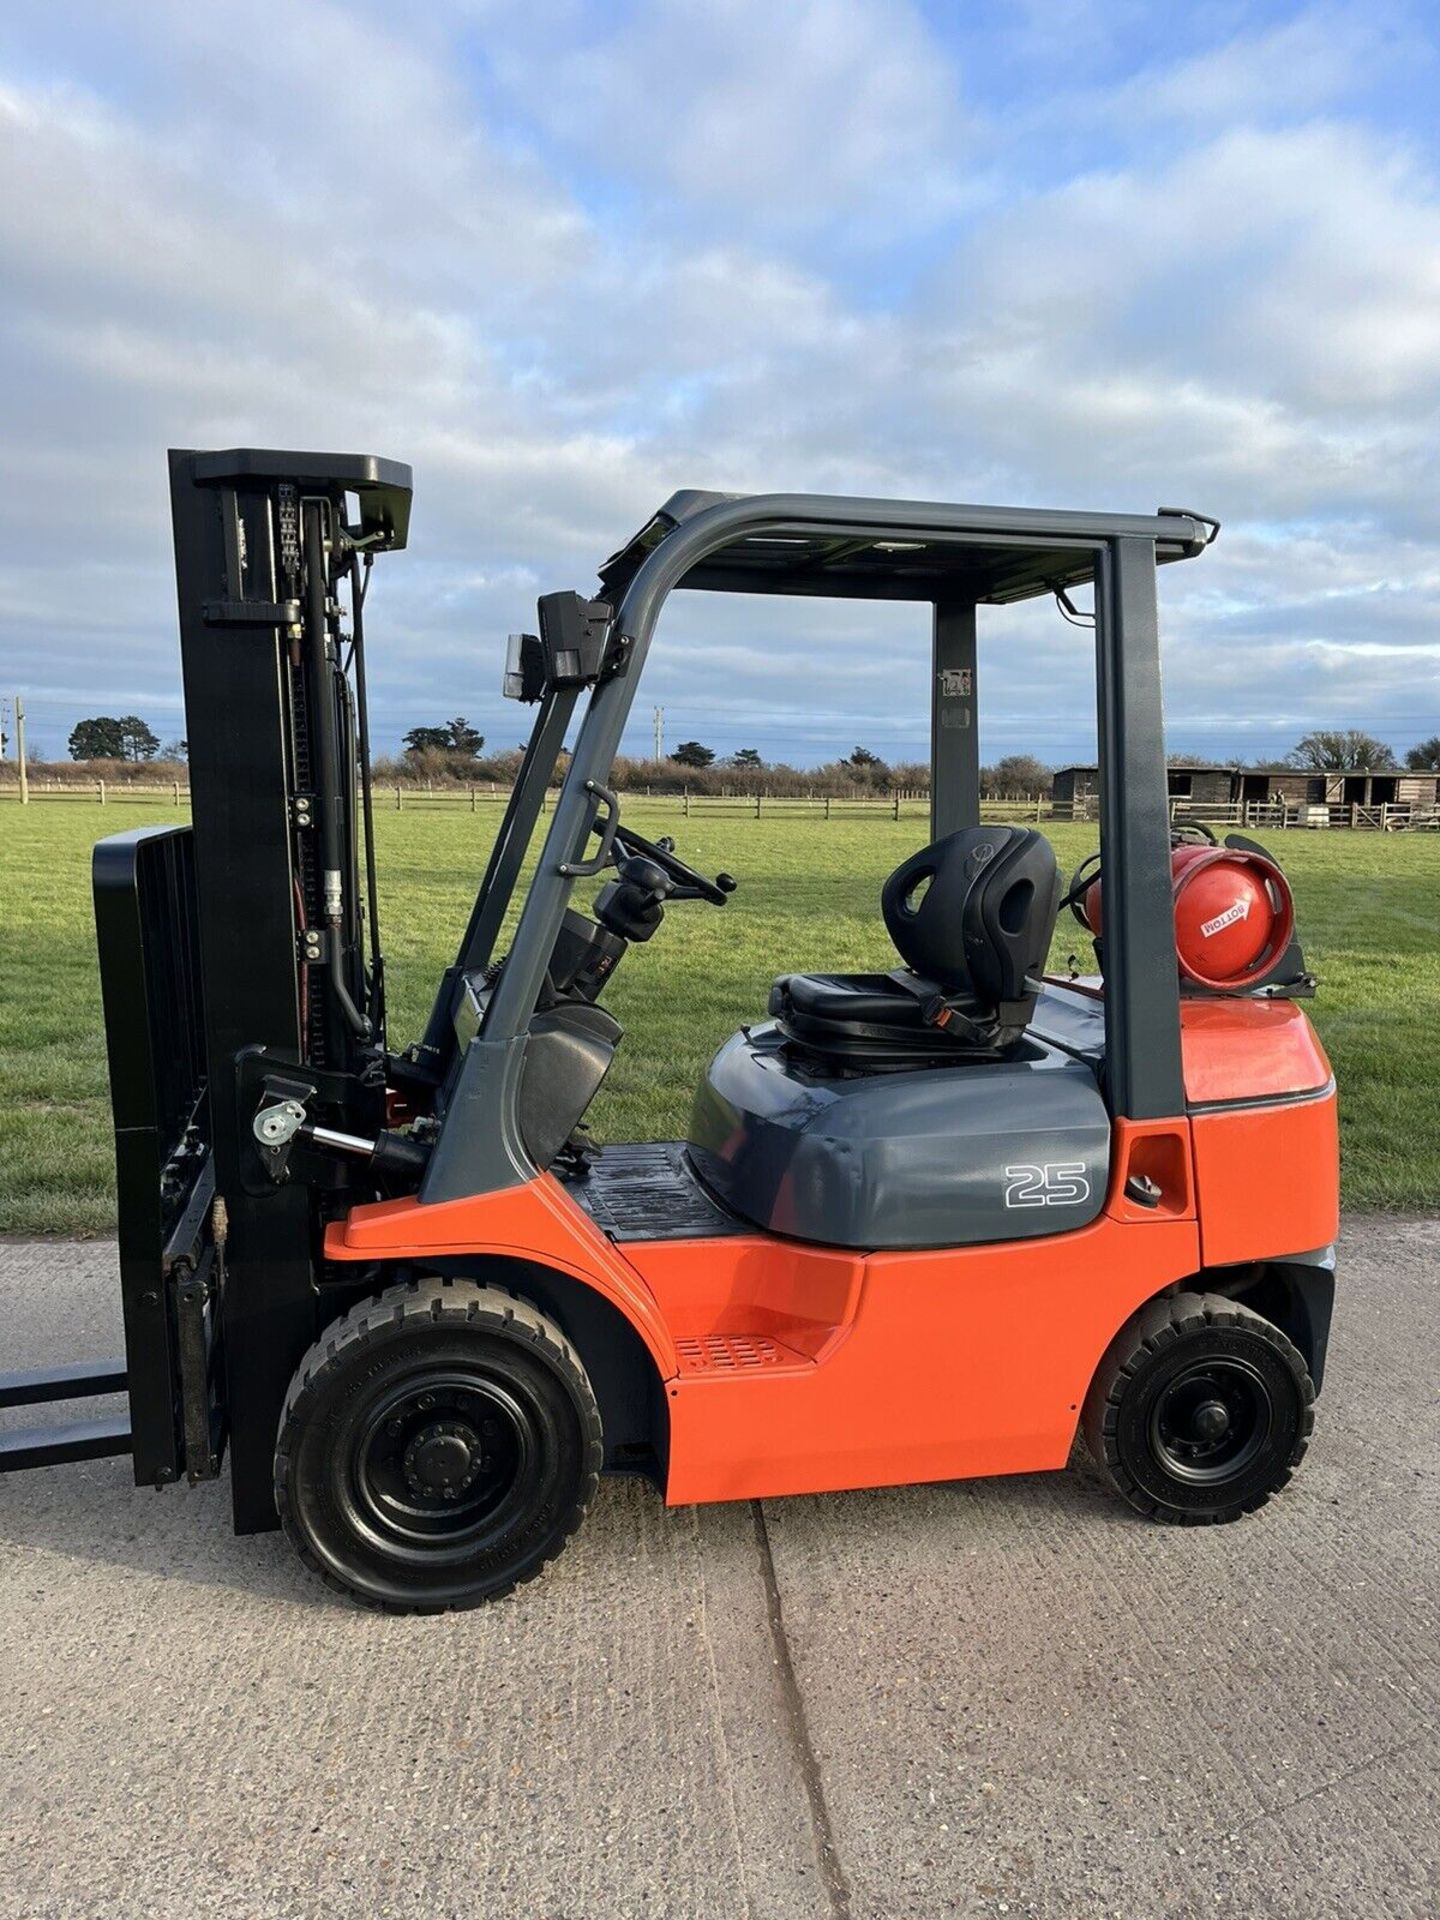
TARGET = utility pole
(659,733)
(20,750)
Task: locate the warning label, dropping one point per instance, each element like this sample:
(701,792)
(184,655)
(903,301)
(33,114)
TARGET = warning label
(1240,911)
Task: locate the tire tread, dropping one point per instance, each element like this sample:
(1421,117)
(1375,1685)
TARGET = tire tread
(435,1299)
(1148,1334)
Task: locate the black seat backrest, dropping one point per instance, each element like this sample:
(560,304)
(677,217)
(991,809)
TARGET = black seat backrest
(975,912)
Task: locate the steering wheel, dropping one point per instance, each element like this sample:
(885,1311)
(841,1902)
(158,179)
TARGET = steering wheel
(1081,881)
(687,883)
(1088,871)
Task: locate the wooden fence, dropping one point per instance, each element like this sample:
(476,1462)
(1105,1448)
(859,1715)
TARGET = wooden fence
(482,797)
(1391,817)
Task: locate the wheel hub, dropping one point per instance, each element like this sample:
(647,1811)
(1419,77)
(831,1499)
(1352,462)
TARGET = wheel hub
(1211,1420)
(443,1460)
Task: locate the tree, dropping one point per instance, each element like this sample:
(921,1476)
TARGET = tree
(102,738)
(746,757)
(1020,773)
(1424,756)
(427,739)
(862,757)
(175,750)
(1343,750)
(690,753)
(137,741)
(456,736)
(106,738)
(464,739)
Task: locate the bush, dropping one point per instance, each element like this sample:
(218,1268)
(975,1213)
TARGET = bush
(84,773)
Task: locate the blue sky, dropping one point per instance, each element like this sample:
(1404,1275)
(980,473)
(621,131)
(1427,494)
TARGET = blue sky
(566,257)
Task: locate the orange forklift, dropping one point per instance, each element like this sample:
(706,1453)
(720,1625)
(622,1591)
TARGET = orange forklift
(926,1222)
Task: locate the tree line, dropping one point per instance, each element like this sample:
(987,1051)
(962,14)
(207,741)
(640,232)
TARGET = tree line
(453,750)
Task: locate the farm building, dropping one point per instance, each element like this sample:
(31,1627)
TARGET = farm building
(1233,792)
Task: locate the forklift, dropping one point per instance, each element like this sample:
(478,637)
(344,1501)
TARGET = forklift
(927,1223)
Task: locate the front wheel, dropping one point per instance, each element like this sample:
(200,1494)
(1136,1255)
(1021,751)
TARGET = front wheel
(1199,1411)
(439,1445)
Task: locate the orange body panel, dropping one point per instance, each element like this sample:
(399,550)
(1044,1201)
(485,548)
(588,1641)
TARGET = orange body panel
(791,1368)
(1234,1048)
(799,1297)
(538,1221)
(952,1364)
(1249,1050)
(1266,1174)
(1266,1179)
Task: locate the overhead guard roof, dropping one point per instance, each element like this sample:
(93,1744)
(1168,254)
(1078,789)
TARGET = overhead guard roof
(902,549)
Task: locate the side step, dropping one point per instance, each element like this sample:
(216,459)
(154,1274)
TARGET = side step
(75,1439)
(719,1354)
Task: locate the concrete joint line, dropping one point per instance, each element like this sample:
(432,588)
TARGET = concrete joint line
(832,1874)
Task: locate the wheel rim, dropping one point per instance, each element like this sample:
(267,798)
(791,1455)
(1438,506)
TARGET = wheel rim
(439,1463)
(1211,1421)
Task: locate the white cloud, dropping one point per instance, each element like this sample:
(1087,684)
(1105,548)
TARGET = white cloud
(567,264)
(836,115)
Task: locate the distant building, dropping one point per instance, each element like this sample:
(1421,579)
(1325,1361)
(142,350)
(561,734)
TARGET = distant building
(1224,788)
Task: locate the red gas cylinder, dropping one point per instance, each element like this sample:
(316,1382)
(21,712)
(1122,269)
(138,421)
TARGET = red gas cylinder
(1234,915)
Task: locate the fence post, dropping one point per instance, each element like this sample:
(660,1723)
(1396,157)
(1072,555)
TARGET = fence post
(827,806)
(897,806)
(687,803)
(397,797)
(757,806)
(472,799)
(101,785)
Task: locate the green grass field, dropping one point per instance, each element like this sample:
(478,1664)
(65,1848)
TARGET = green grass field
(1369,907)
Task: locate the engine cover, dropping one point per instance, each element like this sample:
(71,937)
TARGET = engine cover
(950,1156)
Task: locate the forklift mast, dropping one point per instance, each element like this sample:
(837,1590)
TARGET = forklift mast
(240,956)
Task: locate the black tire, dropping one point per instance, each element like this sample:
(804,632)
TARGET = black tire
(1199,1411)
(438,1446)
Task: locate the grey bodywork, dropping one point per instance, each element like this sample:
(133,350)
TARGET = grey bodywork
(947,1156)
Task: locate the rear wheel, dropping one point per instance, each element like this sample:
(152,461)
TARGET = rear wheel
(438,1446)
(1200,1410)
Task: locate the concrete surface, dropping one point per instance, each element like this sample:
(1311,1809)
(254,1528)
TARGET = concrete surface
(1003,1697)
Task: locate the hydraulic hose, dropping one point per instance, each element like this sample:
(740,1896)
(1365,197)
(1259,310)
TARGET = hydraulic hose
(327,764)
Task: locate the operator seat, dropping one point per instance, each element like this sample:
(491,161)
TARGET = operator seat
(972,917)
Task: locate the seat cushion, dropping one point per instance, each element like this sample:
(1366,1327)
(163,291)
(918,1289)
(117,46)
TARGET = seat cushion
(863,1020)
(868,997)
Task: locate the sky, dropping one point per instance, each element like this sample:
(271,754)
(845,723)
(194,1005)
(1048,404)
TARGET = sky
(565,258)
